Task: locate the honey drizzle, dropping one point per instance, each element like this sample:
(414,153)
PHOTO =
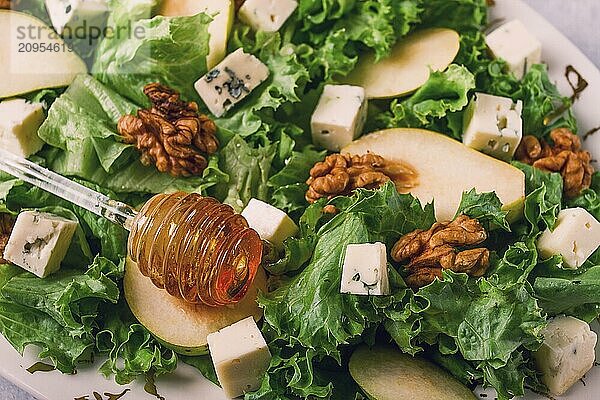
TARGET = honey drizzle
(195,248)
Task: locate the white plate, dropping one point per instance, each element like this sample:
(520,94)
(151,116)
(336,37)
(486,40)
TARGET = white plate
(186,383)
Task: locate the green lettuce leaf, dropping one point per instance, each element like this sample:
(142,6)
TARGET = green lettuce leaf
(169,50)
(443,94)
(248,171)
(589,199)
(81,128)
(130,348)
(485,323)
(69,297)
(289,184)
(485,207)
(543,199)
(315,315)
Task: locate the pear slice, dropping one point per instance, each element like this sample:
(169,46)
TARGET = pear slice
(181,326)
(445,169)
(33,56)
(409,65)
(385,373)
(219,29)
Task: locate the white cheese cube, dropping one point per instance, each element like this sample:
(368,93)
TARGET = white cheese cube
(513,43)
(241,357)
(365,270)
(493,125)
(269,222)
(19,124)
(39,242)
(567,354)
(231,81)
(267,15)
(70,17)
(575,237)
(339,117)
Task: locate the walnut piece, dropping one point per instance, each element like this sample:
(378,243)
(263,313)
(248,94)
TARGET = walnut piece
(341,174)
(172,135)
(431,251)
(565,157)
(6,225)
(7,4)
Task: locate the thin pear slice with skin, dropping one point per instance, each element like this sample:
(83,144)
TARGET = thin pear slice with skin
(33,57)
(409,65)
(446,169)
(181,326)
(385,373)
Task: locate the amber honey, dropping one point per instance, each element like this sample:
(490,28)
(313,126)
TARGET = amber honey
(195,248)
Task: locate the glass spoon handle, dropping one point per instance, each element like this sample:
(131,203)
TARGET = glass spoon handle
(99,204)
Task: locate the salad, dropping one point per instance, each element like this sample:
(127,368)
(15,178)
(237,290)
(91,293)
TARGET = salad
(429,219)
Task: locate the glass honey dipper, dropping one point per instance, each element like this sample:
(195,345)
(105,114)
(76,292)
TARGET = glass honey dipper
(194,247)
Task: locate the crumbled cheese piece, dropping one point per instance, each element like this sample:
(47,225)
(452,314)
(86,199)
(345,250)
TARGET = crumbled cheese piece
(339,117)
(267,15)
(19,124)
(269,222)
(513,43)
(39,242)
(567,354)
(575,237)
(493,125)
(365,270)
(231,81)
(70,16)
(241,357)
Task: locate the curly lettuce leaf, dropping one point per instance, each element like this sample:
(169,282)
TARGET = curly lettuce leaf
(169,50)
(589,199)
(58,314)
(81,129)
(130,348)
(248,170)
(289,184)
(309,310)
(442,95)
(486,324)
(543,199)
(69,297)
(485,207)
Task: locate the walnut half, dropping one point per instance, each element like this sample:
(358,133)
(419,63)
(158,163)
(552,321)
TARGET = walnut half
(431,251)
(172,135)
(6,225)
(342,174)
(565,157)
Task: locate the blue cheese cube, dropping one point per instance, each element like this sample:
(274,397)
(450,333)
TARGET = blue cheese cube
(72,16)
(241,357)
(266,15)
(575,237)
(231,81)
(365,270)
(339,117)
(19,124)
(493,125)
(39,242)
(567,354)
(513,43)
(269,222)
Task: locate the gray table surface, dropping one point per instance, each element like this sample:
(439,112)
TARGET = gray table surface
(576,18)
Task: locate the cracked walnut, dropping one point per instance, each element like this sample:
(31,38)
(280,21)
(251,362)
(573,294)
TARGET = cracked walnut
(172,135)
(431,251)
(341,174)
(565,157)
